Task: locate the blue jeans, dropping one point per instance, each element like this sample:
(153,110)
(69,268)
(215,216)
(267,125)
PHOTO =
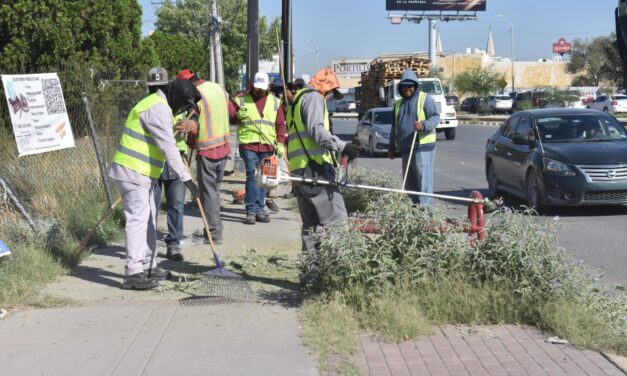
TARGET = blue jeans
(175,198)
(255,197)
(420,176)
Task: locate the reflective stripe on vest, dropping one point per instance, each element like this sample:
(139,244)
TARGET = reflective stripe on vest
(137,149)
(296,153)
(424,137)
(249,130)
(213,123)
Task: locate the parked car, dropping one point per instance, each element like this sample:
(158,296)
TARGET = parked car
(345,106)
(559,157)
(609,104)
(483,108)
(452,100)
(470,104)
(373,130)
(499,103)
(526,100)
(565,99)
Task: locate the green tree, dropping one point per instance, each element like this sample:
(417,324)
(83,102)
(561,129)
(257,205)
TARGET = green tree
(191,18)
(595,60)
(479,81)
(177,51)
(37,35)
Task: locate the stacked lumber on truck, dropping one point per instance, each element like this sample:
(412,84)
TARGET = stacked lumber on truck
(384,69)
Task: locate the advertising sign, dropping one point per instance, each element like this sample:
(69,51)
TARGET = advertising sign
(38,113)
(350,67)
(436,5)
(562,47)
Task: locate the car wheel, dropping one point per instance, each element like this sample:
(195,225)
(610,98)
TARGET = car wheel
(605,109)
(449,133)
(493,182)
(371,151)
(532,192)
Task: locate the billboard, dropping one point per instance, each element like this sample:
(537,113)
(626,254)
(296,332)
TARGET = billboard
(436,5)
(562,47)
(348,68)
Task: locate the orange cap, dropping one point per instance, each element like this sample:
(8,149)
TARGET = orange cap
(186,74)
(324,81)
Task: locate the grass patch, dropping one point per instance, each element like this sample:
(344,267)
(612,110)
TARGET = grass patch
(422,270)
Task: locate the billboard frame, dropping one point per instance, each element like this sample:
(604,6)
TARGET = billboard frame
(436,5)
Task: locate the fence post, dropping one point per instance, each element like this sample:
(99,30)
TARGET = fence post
(101,162)
(16,203)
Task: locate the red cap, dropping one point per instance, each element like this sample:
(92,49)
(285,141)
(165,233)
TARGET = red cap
(186,74)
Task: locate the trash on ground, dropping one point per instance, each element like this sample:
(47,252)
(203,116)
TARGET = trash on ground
(557,341)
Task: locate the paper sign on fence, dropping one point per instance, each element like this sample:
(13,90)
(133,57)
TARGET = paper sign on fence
(38,112)
(4,250)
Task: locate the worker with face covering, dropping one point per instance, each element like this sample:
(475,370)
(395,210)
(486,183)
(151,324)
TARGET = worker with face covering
(147,142)
(310,150)
(415,113)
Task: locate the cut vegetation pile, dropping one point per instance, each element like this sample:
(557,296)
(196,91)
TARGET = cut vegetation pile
(420,270)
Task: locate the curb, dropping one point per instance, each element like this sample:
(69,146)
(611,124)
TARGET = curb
(618,361)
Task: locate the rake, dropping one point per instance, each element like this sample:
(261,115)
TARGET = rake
(220,282)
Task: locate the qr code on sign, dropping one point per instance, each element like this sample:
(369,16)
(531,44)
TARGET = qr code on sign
(53,95)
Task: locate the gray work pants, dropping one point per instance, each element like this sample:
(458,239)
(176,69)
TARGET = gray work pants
(141,226)
(317,209)
(210,175)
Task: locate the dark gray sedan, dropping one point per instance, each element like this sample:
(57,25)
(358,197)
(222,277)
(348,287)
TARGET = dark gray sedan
(559,157)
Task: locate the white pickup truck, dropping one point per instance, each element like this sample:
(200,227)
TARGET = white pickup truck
(432,86)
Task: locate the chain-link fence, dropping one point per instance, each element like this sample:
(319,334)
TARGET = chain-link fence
(50,185)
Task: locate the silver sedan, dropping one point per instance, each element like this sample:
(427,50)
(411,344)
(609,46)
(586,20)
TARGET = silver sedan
(373,130)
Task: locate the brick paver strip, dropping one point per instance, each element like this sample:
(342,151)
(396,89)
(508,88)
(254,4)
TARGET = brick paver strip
(507,350)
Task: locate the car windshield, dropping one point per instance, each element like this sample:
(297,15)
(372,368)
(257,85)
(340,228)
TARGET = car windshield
(579,128)
(430,87)
(383,117)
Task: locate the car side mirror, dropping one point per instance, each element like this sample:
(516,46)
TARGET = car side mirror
(381,94)
(519,139)
(366,122)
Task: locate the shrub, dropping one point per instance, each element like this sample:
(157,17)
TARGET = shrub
(359,199)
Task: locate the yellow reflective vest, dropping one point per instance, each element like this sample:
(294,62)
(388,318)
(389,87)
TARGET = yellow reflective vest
(137,149)
(213,122)
(255,128)
(424,137)
(181,142)
(301,147)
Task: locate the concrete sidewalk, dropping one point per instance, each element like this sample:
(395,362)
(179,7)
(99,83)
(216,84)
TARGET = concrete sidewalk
(110,331)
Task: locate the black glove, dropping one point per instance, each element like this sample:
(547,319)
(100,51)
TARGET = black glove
(351,150)
(193,189)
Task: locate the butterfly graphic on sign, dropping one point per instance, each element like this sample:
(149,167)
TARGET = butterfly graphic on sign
(17,102)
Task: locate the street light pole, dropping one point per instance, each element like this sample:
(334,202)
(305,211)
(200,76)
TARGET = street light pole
(512,26)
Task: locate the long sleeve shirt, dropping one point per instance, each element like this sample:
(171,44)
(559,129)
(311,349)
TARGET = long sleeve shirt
(312,113)
(157,120)
(279,127)
(403,128)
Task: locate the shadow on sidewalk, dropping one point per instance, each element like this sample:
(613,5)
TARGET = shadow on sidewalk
(288,295)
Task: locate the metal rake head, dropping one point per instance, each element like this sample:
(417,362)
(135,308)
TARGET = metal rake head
(223,283)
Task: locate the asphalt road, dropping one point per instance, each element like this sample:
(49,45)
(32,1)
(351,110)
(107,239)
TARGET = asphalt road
(594,234)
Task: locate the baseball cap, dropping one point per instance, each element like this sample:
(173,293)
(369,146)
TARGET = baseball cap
(261,81)
(157,76)
(186,74)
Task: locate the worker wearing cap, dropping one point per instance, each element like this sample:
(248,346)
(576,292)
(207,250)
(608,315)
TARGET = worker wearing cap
(261,129)
(147,141)
(416,112)
(209,135)
(311,149)
(174,190)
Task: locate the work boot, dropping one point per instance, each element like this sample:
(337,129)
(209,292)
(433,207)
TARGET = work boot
(158,274)
(272,206)
(174,253)
(139,281)
(262,217)
(217,238)
(250,219)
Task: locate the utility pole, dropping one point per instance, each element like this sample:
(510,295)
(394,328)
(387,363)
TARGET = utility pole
(211,44)
(513,74)
(252,62)
(432,36)
(217,44)
(286,37)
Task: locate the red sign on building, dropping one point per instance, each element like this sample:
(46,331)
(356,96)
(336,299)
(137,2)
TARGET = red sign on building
(562,47)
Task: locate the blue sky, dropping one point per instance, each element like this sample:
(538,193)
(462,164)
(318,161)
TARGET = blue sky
(361,29)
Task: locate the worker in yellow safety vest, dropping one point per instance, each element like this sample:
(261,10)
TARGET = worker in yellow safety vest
(209,135)
(261,132)
(310,150)
(147,142)
(416,113)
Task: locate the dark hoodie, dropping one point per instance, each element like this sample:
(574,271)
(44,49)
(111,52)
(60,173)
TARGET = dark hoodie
(181,95)
(403,133)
